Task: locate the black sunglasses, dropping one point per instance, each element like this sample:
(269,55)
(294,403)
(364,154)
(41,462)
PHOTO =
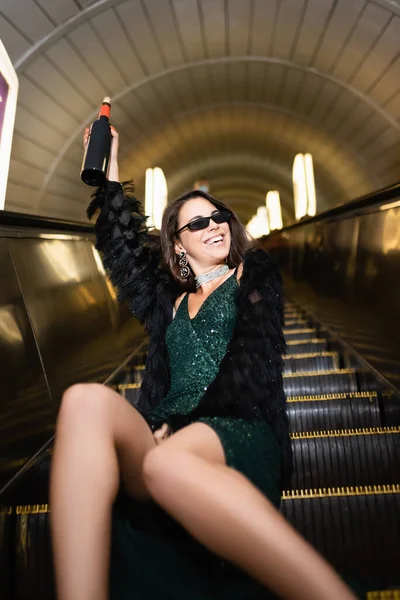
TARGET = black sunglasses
(219,217)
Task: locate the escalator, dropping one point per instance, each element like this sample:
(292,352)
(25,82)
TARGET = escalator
(344,416)
(346,494)
(346,441)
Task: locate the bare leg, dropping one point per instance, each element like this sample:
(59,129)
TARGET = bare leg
(99,435)
(188,477)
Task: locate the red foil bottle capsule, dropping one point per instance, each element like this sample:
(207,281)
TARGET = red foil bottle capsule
(97,153)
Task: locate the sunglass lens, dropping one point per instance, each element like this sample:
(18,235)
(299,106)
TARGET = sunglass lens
(221,217)
(198,224)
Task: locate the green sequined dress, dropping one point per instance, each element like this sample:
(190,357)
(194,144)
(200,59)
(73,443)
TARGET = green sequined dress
(152,556)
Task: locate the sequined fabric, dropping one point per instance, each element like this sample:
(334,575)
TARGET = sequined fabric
(196,347)
(152,556)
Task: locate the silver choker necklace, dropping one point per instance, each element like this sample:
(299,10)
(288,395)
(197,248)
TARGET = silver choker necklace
(205,277)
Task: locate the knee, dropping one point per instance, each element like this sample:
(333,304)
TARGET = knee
(81,398)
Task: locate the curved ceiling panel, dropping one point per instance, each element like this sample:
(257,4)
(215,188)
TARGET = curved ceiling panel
(227,89)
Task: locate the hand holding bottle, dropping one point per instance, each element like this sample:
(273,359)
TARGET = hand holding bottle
(100,162)
(113,171)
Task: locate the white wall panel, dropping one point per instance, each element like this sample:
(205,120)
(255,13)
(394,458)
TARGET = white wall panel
(70,63)
(109,29)
(388,86)
(14,42)
(133,107)
(31,176)
(51,82)
(28,19)
(37,131)
(312,30)
(189,25)
(263,23)
(257,73)
(131,12)
(163,25)
(30,153)
(215,27)
(59,10)
(238,29)
(345,17)
(381,57)
(393,107)
(20,198)
(95,55)
(286,27)
(371,25)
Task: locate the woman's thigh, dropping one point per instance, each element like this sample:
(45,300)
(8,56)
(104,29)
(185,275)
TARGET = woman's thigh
(113,420)
(198,439)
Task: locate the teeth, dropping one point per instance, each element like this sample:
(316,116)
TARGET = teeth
(216,239)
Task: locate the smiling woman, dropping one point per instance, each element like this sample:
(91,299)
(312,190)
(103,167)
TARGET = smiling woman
(207,450)
(193,221)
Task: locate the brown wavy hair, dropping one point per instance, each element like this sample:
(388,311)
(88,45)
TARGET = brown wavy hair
(239,239)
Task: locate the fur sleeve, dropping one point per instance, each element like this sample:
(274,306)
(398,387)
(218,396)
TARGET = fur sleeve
(130,254)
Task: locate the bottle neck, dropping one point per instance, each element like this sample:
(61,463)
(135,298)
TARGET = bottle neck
(105,111)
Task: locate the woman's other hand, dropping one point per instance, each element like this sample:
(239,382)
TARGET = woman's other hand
(162,434)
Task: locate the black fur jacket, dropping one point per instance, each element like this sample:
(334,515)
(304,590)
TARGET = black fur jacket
(249,382)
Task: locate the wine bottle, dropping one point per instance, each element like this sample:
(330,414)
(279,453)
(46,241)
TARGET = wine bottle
(97,153)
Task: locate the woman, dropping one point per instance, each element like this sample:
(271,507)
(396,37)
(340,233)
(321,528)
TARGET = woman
(209,442)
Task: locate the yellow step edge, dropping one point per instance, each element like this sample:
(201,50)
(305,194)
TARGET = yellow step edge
(312,341)
(384,595)
(6,510)
(366,490)
(126,386)
(313,373)
(32,509)
(305,330)
(310,355)
(303,435)
(360,490)
(291,356)
(332,396)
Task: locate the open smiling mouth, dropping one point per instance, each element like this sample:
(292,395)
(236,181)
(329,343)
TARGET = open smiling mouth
(217,239)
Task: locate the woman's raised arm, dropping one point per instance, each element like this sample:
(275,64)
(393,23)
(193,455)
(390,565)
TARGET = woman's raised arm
(130,254)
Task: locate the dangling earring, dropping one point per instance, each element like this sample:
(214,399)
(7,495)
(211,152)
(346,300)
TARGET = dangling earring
(183,263)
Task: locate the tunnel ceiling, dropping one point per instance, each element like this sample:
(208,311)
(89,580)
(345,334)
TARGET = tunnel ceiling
(228,89)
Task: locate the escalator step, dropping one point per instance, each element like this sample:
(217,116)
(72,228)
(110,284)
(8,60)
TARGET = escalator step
(7,526)
(307,333)
(322,382)
(305,346)
(392,594)
(313,361)
(22,571)
(296,324)
(130,391)
(336,411)
(346,457)
(353,529)
(391,409)
(33,562)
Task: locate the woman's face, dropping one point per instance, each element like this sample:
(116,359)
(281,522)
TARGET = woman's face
(210,245)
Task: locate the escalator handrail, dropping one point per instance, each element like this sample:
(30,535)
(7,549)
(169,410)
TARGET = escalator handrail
(11,219)
(360,205)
